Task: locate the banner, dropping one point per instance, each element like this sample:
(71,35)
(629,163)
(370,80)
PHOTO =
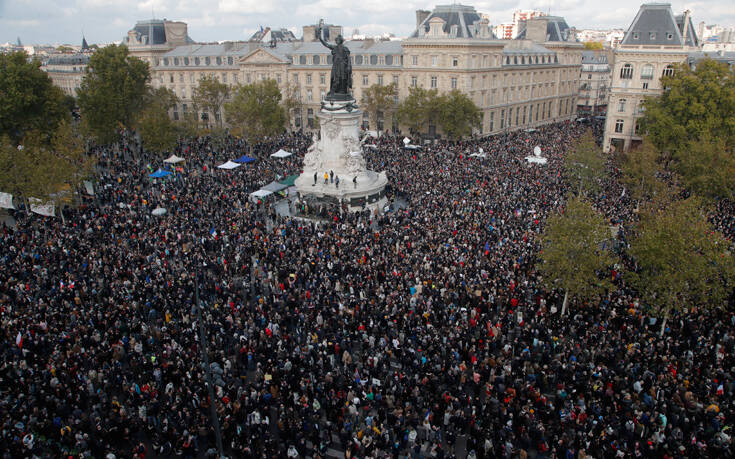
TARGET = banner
(6,201)
(37,207)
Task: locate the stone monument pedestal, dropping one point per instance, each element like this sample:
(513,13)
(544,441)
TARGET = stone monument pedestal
(338,154)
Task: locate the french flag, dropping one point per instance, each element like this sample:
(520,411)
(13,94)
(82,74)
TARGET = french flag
(19,340)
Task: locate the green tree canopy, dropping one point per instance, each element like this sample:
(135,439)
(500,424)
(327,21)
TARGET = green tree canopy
(418,108)
(593,45)
(574,254)
(681,261)
(707,167)
(28,99)
(585,165)
(210,96)
(639,172)
(255,111)
(156,128)
(696,104)
(112,92)
(379,98)
(458,114)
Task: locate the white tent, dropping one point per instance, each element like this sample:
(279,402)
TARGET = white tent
(46,209)
(6,201)
(159,211)
(229,165)
(281,154)
(173,159)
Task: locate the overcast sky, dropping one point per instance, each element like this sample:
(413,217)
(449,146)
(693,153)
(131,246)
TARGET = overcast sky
(104,21)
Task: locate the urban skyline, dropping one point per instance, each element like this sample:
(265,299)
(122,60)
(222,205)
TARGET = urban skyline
(40,21)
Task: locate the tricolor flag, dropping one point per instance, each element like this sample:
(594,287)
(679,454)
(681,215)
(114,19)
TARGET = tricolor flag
(213,233)
(19,340)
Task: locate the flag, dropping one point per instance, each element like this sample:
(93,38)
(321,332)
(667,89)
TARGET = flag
(487,248)
(213,233)
(19,340)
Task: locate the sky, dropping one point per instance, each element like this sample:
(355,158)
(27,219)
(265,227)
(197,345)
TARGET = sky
(106,21)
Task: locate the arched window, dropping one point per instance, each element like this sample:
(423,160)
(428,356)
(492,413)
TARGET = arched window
(668,71)
(647,72)
(358,59)
(626,72)
(374,60)
(302,59)
(389,60)
(523,60)
(315,59)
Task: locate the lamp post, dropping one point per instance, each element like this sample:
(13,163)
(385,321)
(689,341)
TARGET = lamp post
(208,370)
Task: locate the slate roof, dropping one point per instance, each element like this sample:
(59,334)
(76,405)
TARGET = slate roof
(655,24)
(557,29)
(460,15)
(68,59)
(591,57)
(154,30)
(728,57)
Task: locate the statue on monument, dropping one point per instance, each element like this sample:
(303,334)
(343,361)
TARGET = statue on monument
(340,82)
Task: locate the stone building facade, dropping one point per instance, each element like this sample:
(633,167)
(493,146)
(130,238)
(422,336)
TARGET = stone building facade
(655,42)
(66,70)
(594,86)
(520,83)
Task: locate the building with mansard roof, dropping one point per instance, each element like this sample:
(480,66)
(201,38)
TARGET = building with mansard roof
(654,43)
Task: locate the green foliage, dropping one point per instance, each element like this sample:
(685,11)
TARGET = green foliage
(458,114)
(573,254)
(156,128)
(697,104)
(379,98)
(28,99)
(593,45)
(210,95)
(707,168)
(585,165)
(682,261)
(255,111)
(112,92)
(418,108)
(292,104)
(639,168)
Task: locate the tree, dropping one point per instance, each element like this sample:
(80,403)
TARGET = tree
(379,98)
(585,165)
(696,104)
(255,111)
(707,168)
(681,261)
(593,45)
(292,104)
(156,129)
(458,114)
(28,99)
(420,107)
(210,96)
(112,92)
(639,173)
(575,255)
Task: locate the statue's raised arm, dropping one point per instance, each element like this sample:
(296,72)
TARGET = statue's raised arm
(341,78)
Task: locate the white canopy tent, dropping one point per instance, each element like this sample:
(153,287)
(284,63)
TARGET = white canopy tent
(229,165)
(6,201)
(173,159)
(281,154)
(261,193)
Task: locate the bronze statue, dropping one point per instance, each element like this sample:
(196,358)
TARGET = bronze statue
(340,82)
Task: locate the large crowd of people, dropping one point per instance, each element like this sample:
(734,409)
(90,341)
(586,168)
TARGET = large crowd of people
(421,332)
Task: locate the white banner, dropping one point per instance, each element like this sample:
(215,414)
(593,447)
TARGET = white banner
(6,201)
(37,207)
(89,187)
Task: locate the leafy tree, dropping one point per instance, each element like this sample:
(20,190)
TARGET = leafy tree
(640,167)
(593,45)
(210,95)
(681,261)
(696,104)
(415,111)
(28,99)
(380,98)
(458,114)
(156,128)
(255,111)
(292,104)
(584,165)
(707,168)
(112,92)
(574,253)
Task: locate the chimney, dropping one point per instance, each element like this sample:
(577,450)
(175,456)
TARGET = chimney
(421,16)
(684,32)
(536,29)
(310,33)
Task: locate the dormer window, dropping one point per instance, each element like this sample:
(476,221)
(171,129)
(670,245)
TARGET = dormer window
(669,36)
(652,35)
(635,35)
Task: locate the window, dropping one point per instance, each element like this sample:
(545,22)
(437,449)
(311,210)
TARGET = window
(207,60)
(373,60)
(518,110)
(395,80)
(645,85)
(224,78)
(165,61)
(381,60)
(668,71)
(414,81)
(302,60)
(358,60)
(543,110)
(365,80)
(651,35)
(181,77)
(295,78)
(248,78)
(310,117)
(626,72)
(219,60)
(618,126)
(502,119)
(171,78)
(191,77)
(621,106)
(196,61)
(455,61)
(647,72)
(414,60)
(234,78)
(589,77)
(309,96)
(176,61)
(321,94)
(635,35)
(434,61)
(433,82)
(229,60)
(389,60)
(492,120)
(524,114)
(315,59)
(278,78)
(669,36)
(186,61)
(454,83)
(380,80)
(308,78)
(322,78)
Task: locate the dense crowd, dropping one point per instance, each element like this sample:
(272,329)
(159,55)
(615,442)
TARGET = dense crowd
(423,332)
